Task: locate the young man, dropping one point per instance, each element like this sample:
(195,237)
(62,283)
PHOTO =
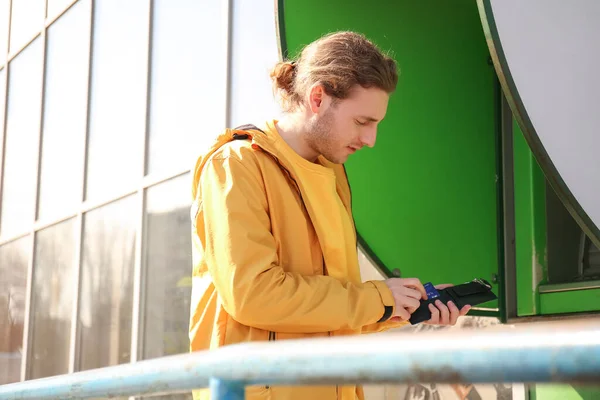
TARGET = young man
(275,254)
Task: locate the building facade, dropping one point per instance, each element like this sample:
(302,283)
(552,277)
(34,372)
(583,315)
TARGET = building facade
(104,107)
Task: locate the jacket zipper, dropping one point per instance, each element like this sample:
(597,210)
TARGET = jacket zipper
(271,339)
(289,175)
(350,190)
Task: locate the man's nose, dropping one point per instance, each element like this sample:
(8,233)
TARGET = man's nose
(368,137)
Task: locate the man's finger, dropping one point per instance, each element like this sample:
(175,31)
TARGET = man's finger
(452,307)
(415,283)
(444,313)
(465,310)
(415,294)
(435,315)
(443,286)
(454,312)
(402,313)
(412,303)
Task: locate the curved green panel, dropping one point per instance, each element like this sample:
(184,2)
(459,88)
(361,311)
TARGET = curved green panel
(425,197)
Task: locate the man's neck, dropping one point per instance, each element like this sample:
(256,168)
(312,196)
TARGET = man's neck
(292,130)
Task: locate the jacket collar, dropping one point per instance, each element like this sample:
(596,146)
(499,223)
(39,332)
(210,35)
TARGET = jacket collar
(267,139)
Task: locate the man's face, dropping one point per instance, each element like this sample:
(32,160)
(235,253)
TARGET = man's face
(341,128)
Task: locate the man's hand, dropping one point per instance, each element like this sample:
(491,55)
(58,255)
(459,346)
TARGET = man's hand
(445,315)
(407,293)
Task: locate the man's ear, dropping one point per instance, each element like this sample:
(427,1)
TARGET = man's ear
(317,98)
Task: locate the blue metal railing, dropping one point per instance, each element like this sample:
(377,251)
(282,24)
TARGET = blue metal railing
(567,353)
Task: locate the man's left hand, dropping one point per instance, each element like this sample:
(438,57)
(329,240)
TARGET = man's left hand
(445,315)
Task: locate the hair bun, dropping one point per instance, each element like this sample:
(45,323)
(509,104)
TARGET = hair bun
(283,76)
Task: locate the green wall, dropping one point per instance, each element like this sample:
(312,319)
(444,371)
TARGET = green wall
(564,392)
(572,301)
(425,198)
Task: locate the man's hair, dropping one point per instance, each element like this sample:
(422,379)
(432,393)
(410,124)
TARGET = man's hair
(338,61)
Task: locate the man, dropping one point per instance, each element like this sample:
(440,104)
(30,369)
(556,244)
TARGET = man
(274,243)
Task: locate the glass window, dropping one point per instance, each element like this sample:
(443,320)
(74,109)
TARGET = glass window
(52,299)
(2,108)
(187,90)
(254,53)
(67,58)
(168,268)
(106,288)
(22,136)
(14,258)
(4,18)
(27,19)
(55,7)
(118,96)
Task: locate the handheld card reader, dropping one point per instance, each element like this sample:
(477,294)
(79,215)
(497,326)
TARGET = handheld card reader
(469,293)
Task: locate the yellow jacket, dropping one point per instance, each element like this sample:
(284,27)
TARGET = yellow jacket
(274,253)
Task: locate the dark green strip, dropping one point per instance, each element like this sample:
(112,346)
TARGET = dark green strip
(280,22)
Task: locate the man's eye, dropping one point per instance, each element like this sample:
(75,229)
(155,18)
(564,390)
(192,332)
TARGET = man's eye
(360,123)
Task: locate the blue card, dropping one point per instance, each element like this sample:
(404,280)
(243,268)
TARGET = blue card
(431,291)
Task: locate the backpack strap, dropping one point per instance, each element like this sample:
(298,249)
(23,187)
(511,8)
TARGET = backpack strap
(247,127)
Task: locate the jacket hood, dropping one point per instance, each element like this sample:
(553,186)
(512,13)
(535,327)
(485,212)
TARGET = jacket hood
(255,135)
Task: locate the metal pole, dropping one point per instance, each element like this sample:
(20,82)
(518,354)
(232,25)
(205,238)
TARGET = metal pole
(224,390)
(556,352)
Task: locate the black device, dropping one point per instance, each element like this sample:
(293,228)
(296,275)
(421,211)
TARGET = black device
(472,293)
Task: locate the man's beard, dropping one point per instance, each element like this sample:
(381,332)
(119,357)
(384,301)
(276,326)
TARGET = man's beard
(319,137)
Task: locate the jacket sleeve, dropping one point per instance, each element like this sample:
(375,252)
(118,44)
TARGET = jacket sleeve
(240,253)
(383,326)
(386,298)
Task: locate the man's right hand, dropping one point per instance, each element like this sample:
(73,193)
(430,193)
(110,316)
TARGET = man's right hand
(407,294)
